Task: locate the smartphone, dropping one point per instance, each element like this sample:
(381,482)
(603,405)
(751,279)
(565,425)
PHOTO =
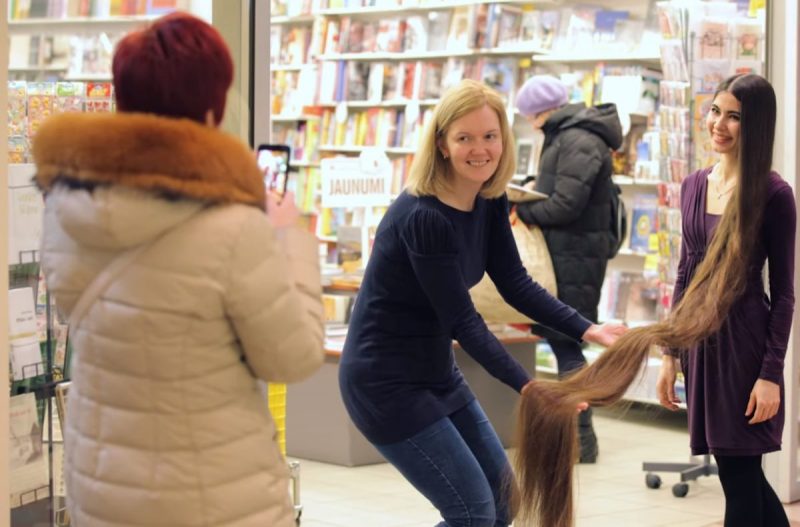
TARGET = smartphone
(273,160)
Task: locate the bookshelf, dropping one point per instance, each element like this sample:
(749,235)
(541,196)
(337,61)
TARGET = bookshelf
(69,40)
(356,83)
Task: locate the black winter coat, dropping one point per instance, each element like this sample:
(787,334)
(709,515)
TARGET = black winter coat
(575,172)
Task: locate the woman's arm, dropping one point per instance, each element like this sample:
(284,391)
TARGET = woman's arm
(429,240)
(779,232)
(274,300)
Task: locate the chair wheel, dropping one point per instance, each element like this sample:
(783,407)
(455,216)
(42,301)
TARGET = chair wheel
(653,481)
(679,490)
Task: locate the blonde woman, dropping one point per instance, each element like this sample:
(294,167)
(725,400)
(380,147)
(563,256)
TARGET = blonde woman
(398,378)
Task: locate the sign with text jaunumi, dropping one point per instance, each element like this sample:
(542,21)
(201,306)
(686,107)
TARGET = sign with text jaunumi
(364,181)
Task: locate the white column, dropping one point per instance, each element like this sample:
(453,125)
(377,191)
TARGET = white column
(5,513)
(781,468)
(262,131)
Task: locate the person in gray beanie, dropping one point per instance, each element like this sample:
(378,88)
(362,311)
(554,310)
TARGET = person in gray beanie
(575,172)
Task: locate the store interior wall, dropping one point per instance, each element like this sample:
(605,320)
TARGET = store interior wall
(783,62)
(5,513)
(232,21)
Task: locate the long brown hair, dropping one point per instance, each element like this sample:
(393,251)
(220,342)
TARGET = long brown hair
(546,428)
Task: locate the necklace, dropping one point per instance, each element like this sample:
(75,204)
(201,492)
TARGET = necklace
(719,184)
(721,193)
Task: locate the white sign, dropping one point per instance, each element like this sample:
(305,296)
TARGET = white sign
(25,214)
(364,181)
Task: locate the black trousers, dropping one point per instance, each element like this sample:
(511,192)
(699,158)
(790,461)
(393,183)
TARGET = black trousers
(749,498)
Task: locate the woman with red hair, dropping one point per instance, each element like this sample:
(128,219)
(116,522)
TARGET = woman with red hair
(181,293)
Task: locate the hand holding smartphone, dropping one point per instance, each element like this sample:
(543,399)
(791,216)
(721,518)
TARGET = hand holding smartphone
(273,160)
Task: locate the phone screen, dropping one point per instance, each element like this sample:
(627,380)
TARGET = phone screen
(274,163)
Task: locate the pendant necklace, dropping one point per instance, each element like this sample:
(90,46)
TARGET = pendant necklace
(718,184)
(721,193)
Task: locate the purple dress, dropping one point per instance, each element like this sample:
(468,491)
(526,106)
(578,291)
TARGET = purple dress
(720,371)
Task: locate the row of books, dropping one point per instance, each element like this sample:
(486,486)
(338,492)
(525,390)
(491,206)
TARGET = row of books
(484,26)
(632,88)
(24,9)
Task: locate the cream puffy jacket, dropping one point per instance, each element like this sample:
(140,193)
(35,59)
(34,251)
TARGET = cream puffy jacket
(166,424)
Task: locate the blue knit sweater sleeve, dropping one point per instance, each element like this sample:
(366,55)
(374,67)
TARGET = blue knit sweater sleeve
(431,243)
(518,288)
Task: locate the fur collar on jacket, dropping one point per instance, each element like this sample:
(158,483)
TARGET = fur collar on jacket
(147,152)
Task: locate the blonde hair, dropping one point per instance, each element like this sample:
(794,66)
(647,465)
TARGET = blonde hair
(430,172)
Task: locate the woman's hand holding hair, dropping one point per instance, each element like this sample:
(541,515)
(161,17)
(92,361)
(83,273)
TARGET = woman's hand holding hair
(281,210)
(604,334)
(765,400)
(665,386)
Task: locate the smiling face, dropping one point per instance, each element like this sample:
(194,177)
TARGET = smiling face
(723,124)
(473,145)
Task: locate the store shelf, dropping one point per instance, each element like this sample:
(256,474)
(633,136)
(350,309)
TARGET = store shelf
(382,104)
(390,56)
(34,69)
(77,25)
(290,67)
(90,77)
(629,252)
(651,59)
(293,118)
(518,50)
(304,164)
(628,181)
(390,150)
(425,7)
(286,20)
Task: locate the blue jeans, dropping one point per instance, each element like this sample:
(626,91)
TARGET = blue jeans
(459,464)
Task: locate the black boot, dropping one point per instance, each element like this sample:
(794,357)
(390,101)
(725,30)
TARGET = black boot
(587,440)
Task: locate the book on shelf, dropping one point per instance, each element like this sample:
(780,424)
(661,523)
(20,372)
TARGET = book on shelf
(460,31)
(438,29)
(644,222)
(499,75)
(508,26)
(27,463)
(630,297)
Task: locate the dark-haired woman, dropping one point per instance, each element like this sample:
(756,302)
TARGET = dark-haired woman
(736,216)
(734,377)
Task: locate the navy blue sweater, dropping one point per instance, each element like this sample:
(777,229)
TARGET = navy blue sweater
(397,374)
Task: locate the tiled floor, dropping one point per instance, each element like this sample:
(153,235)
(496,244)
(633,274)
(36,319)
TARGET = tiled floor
(611,493)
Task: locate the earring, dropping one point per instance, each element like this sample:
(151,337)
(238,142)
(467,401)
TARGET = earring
(445,155)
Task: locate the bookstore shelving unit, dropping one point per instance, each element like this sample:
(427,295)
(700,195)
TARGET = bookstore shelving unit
(303,53)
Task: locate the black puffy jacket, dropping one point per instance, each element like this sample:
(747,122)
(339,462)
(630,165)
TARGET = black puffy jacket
(575,172)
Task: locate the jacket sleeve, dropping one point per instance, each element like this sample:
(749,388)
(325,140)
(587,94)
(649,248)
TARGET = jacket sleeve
(274,300)
(779,229)
(577,165)
(429,239)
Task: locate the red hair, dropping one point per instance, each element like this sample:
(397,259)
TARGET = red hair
(179,66)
